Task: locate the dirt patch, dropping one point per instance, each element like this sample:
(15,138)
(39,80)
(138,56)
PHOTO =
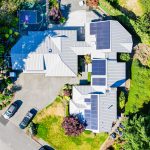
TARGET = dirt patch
(56,109)
(132,5)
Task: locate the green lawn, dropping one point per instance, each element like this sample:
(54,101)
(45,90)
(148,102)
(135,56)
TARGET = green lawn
(140,88)
(50,130)
(89,77)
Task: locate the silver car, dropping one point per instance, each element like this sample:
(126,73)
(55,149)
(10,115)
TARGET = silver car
(10,111)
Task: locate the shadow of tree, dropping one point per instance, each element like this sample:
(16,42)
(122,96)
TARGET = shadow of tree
(16,88)
(65,10)
(125,22)
(127,12)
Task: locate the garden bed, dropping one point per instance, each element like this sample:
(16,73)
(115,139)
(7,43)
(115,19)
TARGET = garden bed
(50,129)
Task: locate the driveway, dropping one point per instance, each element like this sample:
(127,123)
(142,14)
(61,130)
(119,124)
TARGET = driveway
(37,91)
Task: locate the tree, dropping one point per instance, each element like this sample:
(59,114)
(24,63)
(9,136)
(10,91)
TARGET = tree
(72,126)
(2,49)
(143,23)
(33,128)
(87,59)
(137,135)
(142,53)
(55,14)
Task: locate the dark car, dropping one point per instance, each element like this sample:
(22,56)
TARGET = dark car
(27,119)
(10,111)
(113,135)
(45,147)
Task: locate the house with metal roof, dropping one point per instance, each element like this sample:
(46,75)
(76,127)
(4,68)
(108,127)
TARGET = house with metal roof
(54,52)
(97,102)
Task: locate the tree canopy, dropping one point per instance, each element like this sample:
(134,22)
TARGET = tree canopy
(137,135)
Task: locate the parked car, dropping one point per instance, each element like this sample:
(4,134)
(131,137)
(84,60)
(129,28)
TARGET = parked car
(113,135)
(27,119)
(45,147)
(10,111)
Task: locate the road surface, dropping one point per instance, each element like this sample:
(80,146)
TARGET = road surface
(13,138)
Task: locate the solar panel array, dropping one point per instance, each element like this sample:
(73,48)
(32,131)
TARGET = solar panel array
(91,116)
(93,28)
(94,112)
(99,81)
(98,67)
(102,32)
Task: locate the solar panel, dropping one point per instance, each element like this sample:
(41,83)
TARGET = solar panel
(99,81)
(87,100)
(87,115)
(102,31)
(91,115)
(94,112)
(103,35)
(93,28)
(98,67)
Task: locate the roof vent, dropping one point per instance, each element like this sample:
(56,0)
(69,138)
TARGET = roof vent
(49,50)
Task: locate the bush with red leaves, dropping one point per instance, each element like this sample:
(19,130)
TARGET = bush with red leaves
(72,126)
(55,14)
(92,3)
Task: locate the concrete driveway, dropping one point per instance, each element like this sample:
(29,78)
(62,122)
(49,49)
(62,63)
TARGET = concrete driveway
(37,91)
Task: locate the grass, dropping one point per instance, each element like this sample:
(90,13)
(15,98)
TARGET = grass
(89,77)
(133,6)
(139,91)
(50,130)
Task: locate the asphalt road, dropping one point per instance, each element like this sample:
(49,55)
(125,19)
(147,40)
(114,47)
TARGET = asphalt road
(13,138)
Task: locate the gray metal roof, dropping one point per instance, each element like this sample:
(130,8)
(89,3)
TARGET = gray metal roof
(116,73)
(40,42)
(107,110)
(121,39)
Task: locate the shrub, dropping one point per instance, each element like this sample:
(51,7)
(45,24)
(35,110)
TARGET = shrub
(33,128)
(122,100)
(125,57)
(142,53)
(1,107)
(7,103)
(55,14)
(72,126)
(2,49)
(87,59)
